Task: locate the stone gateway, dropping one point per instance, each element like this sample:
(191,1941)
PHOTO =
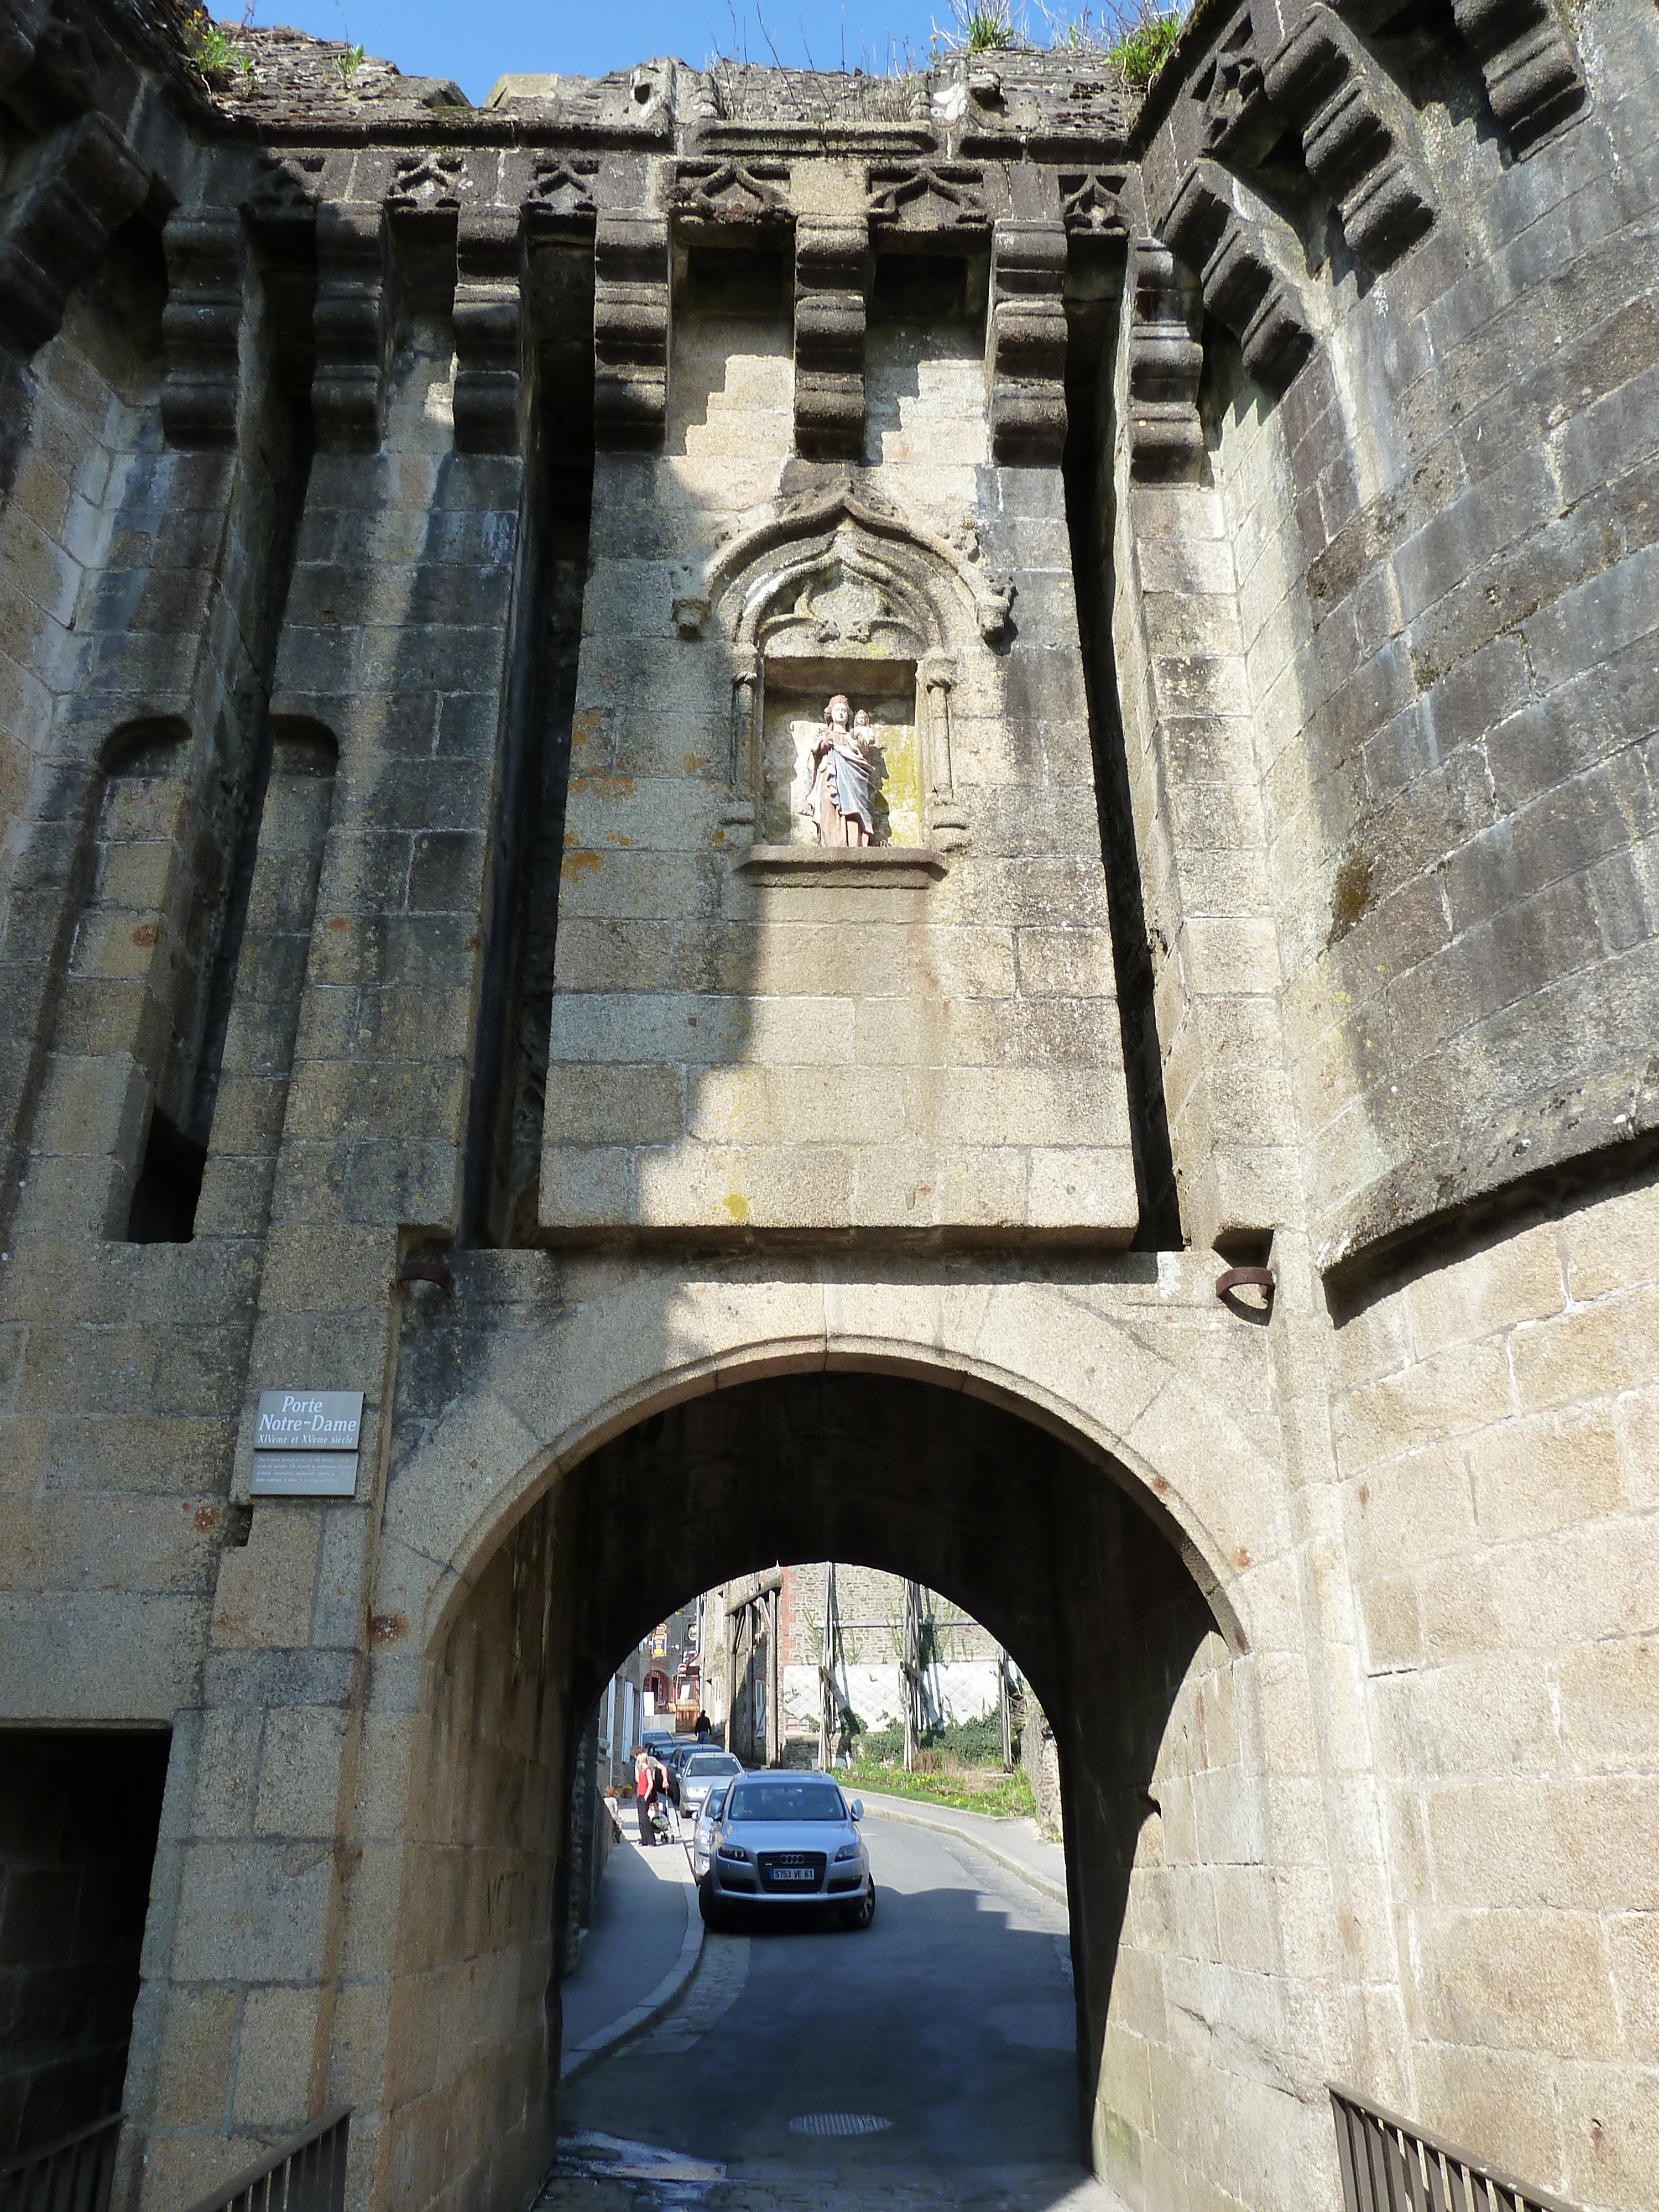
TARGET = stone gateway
(1223,521)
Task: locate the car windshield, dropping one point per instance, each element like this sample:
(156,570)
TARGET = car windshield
(714,1762)
(785,1801)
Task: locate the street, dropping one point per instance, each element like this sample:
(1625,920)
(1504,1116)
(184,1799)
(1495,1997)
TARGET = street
(930,2059)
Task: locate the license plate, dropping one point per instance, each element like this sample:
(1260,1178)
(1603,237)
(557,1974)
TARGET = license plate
(792,1874)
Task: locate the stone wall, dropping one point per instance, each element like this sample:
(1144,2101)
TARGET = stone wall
(1494,1420)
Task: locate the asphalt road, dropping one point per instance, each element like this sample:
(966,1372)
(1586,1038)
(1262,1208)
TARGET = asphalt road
(938,2044)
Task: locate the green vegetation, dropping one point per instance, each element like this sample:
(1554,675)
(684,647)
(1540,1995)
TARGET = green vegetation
(1143,46)
(978,27)
(971,1789)
(348,63)
(212,48)
(960,1764)
(1133,36)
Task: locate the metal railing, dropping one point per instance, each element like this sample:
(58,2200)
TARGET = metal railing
(72,2175)
(306,2174)
(1391,2166)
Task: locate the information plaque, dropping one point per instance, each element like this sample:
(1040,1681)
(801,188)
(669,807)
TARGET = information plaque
(306,1444)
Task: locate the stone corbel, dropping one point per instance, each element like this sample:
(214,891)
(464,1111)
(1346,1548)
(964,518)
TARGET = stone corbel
(1166,359)
(351,323)
(832,276)
(630,330)
(1245,257)
(202,325)
(489,265)
(1026,334)
(1358,136)
(1532,77)
(739,810)
(947,819)
(75,189)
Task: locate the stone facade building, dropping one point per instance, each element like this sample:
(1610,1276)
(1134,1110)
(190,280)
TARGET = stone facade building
(431,538)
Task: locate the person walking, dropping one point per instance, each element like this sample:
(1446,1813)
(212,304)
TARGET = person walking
(703,1728)
(645,1789)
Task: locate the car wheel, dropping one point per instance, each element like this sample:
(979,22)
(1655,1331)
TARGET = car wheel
(861,1914)
(713,1913)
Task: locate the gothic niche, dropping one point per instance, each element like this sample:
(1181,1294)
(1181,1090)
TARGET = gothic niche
(844,653)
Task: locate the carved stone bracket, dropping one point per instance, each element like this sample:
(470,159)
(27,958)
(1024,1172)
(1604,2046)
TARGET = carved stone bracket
(487,274)
(1025,353)
(1532,77)
(201,323)
(1246,259)
(832,275)
(75,189)
(351,323)
(1166,359)
(1358,136)
(630,330)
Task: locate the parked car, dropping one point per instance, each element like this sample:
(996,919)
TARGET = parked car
(788,1840)
(699,1770)
(706,1832)
(673,1763)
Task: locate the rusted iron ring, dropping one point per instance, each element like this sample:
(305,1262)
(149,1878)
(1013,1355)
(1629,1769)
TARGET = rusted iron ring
(1246,1279)
(427,1271)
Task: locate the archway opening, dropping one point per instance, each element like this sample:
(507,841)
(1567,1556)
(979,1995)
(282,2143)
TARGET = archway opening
(1048,1548)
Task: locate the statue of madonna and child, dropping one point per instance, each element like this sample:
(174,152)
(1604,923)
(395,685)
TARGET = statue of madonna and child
(841,769)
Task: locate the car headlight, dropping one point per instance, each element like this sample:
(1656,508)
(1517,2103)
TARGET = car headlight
(848,1851)
(734,1851)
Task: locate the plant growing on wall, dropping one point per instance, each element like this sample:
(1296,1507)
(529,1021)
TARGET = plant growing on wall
(1134,37)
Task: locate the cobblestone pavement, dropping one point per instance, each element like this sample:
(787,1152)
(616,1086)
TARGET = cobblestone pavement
(598,2172)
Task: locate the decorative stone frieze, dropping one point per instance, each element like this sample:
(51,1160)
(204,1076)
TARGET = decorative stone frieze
(426,181)
(1245,257)
(928,195)
(200,325)
(832,275)
(732,195)
(630,330)
(1359,136)
(1166,359)
(1237,122)
(488,277)
(560,196)
(352,324)
(1026,353)
(72,193)
(1526,55)
(1091,203)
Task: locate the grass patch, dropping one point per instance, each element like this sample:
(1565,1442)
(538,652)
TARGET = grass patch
(969,1788)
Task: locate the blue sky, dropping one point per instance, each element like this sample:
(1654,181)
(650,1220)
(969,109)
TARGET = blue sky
(478,42)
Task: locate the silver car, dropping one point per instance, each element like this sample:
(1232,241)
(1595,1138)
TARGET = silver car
(699,1771)
(788,1840)
(707,1828)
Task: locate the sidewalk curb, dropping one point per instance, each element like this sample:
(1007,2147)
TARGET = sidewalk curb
(651,2008)
(885,1810)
